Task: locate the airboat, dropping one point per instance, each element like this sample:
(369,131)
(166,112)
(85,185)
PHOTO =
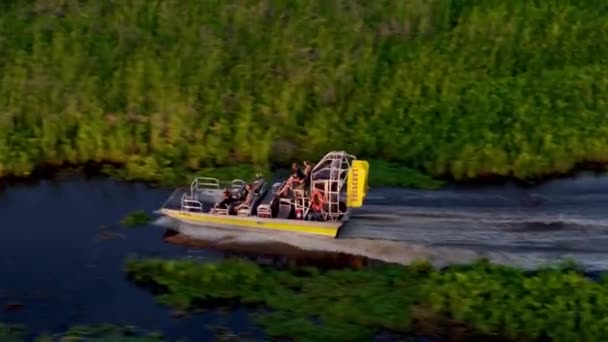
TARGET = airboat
(339,177)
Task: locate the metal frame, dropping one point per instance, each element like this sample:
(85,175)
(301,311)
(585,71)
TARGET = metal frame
(188,203)
(201,183)
(236,185)
(332,172)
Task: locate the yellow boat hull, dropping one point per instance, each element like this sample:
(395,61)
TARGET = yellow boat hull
(229,221)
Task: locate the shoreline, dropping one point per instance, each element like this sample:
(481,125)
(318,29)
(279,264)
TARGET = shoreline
(119,171)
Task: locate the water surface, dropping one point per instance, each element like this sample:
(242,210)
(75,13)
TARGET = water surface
(54,261)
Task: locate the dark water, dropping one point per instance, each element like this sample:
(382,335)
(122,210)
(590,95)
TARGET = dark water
(52,261)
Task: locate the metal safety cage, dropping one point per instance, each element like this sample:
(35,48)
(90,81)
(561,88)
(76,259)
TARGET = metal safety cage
(329,175)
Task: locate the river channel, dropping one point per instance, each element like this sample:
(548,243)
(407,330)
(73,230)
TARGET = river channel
(62,255)
(63,247)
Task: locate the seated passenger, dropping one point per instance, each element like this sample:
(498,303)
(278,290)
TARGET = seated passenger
(297,177)
(296,180)
(258,182)
(248,200)
(317,202)
(226,202)
(307,168)
(284,190)
(246,192)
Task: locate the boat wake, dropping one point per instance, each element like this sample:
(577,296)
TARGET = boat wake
(401,235)
(521,236)
(383,250)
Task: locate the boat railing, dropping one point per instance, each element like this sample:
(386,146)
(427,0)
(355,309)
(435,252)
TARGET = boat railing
(237,186)
(190,204)
(202,183)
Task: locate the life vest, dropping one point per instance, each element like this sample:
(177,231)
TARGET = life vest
(317,200)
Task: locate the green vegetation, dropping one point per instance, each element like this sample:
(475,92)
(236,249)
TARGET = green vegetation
(136,219)
(90,333)
(391,174)
(464,88)
(176,176)
(103,332)
(556,303)
(10,333)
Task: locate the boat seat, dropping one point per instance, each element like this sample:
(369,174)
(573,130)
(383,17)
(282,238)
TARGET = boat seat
(217,211)
(244,211)
(264,211)
(284,210)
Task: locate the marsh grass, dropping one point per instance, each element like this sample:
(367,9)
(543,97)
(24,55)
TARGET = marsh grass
(463,88)
(136,219)
(558,303)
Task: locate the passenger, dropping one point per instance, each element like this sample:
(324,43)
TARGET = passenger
(246,192)
(258,182)
(307,168)
(297,177)
(284,190)
(227,201)
(248,200)
(316,206)
(292,181)
(307,175)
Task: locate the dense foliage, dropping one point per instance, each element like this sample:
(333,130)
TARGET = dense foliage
(93,333)
(459,87)
(556,303)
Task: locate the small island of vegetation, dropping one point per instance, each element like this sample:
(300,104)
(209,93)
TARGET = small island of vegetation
(450,88)
(309,304)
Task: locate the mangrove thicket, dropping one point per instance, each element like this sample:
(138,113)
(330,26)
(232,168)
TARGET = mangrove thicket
(450,87)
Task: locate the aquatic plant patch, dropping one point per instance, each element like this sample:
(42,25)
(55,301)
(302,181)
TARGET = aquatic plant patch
(136,219)
(309,304)
(11,333)
(82,333)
